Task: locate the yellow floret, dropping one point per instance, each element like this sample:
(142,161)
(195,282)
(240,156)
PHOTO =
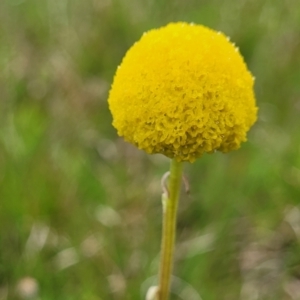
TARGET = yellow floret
(183,90)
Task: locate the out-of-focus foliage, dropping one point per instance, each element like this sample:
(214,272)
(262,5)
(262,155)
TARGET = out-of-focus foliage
(80,209)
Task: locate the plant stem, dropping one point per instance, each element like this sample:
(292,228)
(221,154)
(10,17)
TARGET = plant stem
(169,229)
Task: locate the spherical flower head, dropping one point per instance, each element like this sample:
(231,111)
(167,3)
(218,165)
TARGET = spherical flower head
(183,90)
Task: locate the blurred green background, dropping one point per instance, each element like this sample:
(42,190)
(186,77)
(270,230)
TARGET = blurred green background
(80,211)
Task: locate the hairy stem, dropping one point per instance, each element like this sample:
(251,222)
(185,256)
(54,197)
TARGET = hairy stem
(170,204)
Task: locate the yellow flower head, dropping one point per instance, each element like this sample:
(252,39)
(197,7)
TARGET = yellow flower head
(183,90)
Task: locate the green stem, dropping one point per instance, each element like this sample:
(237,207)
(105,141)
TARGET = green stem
(169,229)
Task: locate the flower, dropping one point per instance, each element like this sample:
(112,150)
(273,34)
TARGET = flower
(183,90)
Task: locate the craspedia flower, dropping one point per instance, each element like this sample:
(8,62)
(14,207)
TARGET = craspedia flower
(183,90)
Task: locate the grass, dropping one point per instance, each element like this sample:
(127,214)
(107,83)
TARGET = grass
(80,209)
